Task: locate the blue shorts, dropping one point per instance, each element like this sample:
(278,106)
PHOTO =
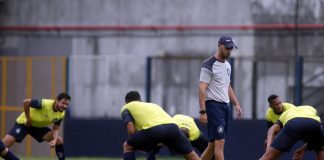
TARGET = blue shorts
(218,117)
(168,134)
(19,131)
(306,129)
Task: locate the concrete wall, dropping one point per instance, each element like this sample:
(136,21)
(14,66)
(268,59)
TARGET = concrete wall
(282,43)
(154,43)
(106,64)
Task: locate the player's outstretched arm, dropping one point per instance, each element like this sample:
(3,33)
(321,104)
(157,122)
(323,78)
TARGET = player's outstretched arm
(235,102)
(272,132)
(26,105)
(130,128)
(202,96)
(55,132)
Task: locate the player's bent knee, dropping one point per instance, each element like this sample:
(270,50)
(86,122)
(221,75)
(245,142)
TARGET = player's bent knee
(48,136)
(59,140)
(8,140)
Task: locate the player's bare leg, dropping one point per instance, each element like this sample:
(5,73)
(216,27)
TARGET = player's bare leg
(271,154)
(49,137)
(209,152)
(219,149)
(320,154)
(9,140)
(59,149)
(192,156)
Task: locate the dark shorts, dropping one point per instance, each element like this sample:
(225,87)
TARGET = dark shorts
(218,118)
(19,131)
(168,134)
(201,143)
(306,129)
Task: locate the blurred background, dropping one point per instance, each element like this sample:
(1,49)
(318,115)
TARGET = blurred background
(98,50)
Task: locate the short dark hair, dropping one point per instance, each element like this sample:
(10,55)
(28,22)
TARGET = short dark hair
(272,97)
(63,95)
(132,96)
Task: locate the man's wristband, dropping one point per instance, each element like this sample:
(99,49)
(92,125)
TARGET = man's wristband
(202,111)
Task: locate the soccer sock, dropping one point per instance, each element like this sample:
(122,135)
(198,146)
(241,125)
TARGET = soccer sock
(10,156)
(59,149)
(129,156)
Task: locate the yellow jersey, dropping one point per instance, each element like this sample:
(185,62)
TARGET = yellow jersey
(147,115)
(187,122)
(43,116)
(271,116)
(299,112)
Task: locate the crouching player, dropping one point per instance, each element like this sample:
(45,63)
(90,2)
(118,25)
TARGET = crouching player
(37,116)
(298,123)
(190,129)
(148,125)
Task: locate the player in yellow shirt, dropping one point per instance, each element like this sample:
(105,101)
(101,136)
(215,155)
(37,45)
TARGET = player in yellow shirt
(37,116)
(148,125)
(5,153)
(298,123)
(276,108)
(190,129)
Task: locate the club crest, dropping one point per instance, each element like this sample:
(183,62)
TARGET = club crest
(220,130)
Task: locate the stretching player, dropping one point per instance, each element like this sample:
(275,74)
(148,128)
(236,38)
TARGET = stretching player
(298,123)
(190,129)
(276,108)
(37,116)
(148,125)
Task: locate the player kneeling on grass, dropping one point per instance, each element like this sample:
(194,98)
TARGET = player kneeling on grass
(37,116)
(6,154)
(148,125)
(298,123)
